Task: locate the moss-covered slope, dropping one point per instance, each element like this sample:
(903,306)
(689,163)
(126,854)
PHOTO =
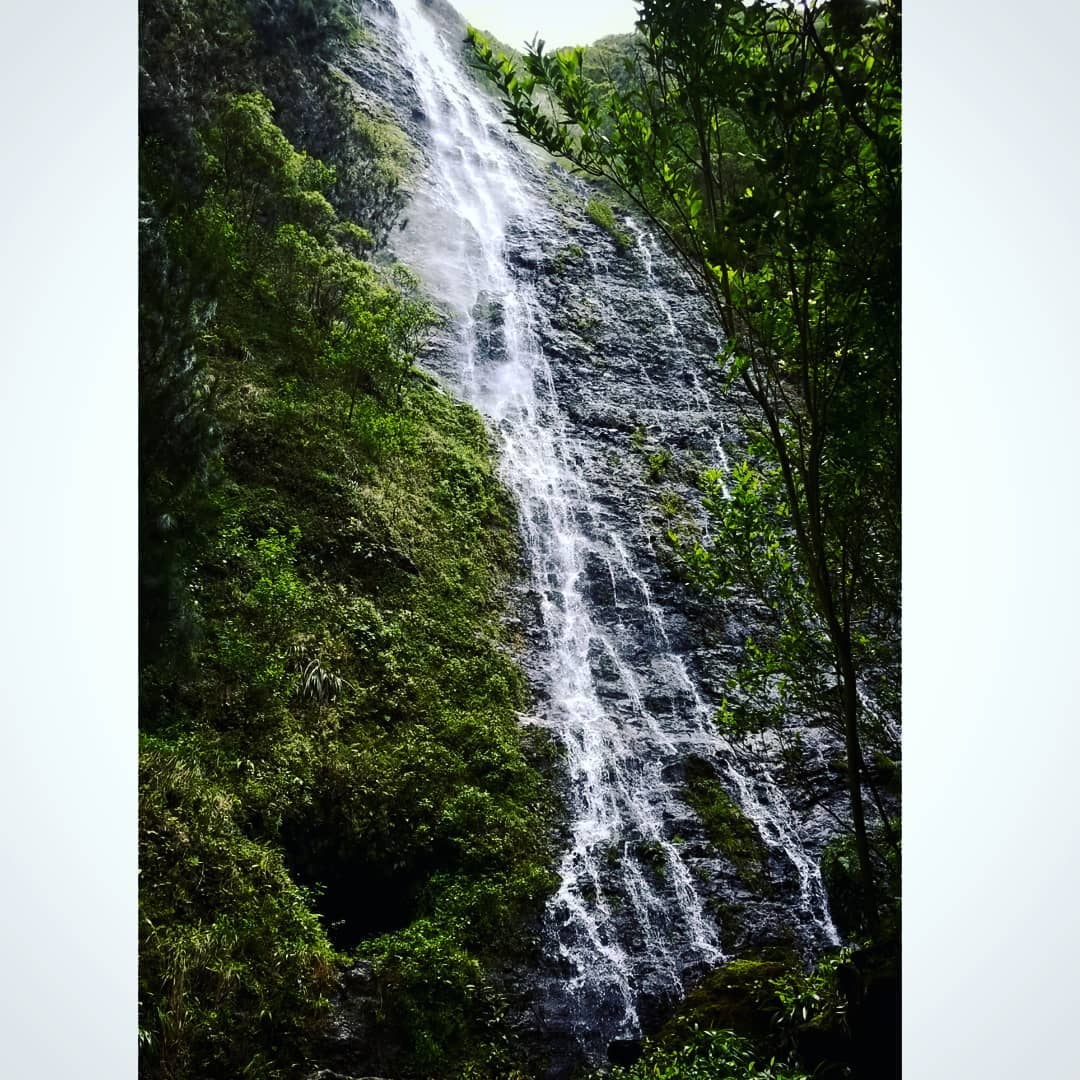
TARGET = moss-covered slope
(332,773)
(342,740)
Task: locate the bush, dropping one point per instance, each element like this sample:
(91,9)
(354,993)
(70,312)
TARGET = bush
(853,911)
(658,466)
(707,1055)
(232,956)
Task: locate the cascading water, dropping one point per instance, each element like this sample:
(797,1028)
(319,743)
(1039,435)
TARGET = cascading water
(629,917)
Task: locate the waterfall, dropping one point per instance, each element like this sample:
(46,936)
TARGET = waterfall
(613,684)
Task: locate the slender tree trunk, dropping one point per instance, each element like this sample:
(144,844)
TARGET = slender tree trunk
(853,750)
(809,534)
(352,397)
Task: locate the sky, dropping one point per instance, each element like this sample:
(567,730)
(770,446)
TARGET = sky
(558,22)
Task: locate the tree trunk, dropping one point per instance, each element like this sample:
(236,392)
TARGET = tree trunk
(352,397)
(854,772)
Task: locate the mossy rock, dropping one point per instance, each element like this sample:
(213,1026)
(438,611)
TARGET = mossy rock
(729,830)
(602,215)
(572,255)
(729,917)
(738,996)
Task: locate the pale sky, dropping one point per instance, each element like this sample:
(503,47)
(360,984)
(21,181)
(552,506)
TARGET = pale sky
(558,22)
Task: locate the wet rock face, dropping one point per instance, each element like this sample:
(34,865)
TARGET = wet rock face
(628,388)
(594,364)
(630,350)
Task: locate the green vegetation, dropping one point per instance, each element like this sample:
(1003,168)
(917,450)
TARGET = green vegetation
(332,772)
(847,900)
(583,318)
(764,140)
(601,214)
(738,996)
(707,1055)
(570,255)
(651,853)
(658,465)
(604,62)
(815,996)
(672,505)
(728,828)
(346,721)
(771,1018)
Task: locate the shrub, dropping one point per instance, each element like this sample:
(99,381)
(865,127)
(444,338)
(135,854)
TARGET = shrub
(706,1055)
(658,466)
(853,911)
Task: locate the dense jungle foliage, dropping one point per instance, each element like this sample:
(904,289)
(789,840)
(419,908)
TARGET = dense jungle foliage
(768,1019)
(332,775)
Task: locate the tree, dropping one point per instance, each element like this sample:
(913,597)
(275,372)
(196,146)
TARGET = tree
(179,440)
(374,339)
(763,139)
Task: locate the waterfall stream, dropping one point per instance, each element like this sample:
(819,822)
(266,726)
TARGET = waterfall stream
(630,914)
